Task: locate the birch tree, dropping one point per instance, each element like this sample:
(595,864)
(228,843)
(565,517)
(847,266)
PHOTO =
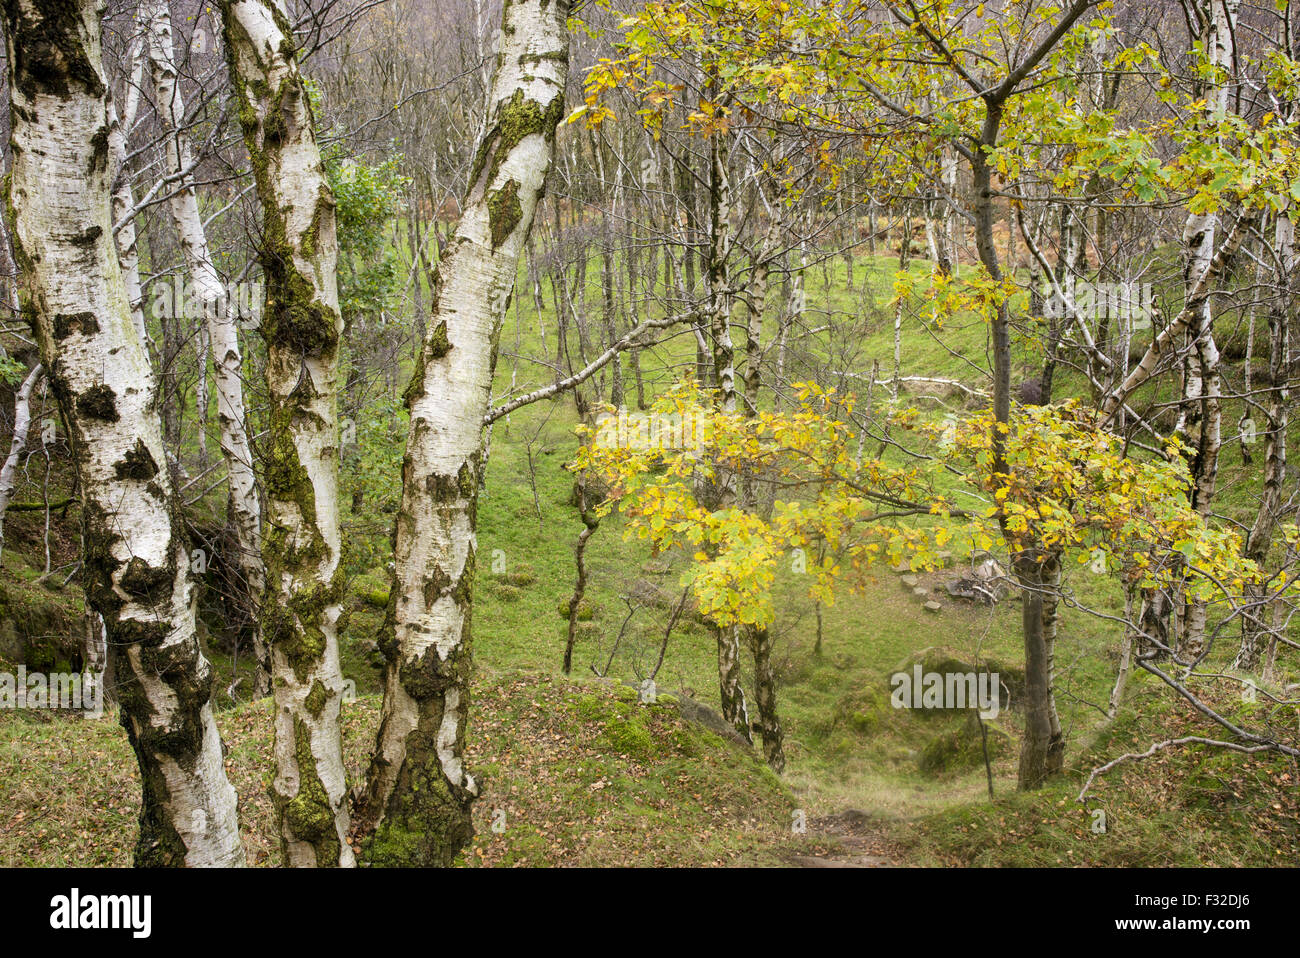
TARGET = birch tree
(1202,384)
(136,560)
(123,196)
(215,307)
(17,443)
(302,326)
(417,805)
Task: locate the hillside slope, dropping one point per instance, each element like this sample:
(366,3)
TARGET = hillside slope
(572,773)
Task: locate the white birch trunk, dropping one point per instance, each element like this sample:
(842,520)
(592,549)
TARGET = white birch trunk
(136,558)
(718,273)
(217,313)
(123,200)
(302,326)
(1202,392)
(417,804)
(948,233)
(1167,340)
(1255,620)
(17,443)
(208,289)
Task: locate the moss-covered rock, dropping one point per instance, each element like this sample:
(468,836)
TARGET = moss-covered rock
(38,626)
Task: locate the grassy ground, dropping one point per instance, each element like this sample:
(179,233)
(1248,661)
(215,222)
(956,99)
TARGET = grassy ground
(581,776)
(572,773)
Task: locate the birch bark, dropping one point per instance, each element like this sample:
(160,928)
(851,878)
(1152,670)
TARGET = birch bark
(215,305)
(17,443)
(123,199)
(136,559)
(1202,393)
(416,809)
(302,325)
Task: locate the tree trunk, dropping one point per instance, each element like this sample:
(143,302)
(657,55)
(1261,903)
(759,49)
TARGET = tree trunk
(1042,749)
(718,274)
(610,314)
(590,523)
(1254,629)
(124,197)
(1126,649)
(769,724)
(302,326)
(731,693)
(417,804)
(1202,399)
(137,565)
(760,640)
(210,294)
(904,255)
(17,443)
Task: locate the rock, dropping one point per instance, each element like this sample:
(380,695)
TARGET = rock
(933,606)
(972,590)
(909,582)
(987,568)
(11,646)
(920,593)
(39,628)
(987,583)
(1032,392)
(692,711)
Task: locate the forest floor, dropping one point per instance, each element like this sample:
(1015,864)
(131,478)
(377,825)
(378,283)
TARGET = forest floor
(576,772)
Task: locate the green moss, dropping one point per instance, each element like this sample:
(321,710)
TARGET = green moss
(589,708)
(427,821)
(37,629)
(316,699)
(504,212)
(519,118)
(308,816)
(557,56)
(628,737)
(585,610)
(439,345)
(960,749)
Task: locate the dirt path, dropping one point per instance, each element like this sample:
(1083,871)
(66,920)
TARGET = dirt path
(854,839)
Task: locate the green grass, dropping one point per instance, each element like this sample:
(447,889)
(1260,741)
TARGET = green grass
(571,773)
(584,777)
